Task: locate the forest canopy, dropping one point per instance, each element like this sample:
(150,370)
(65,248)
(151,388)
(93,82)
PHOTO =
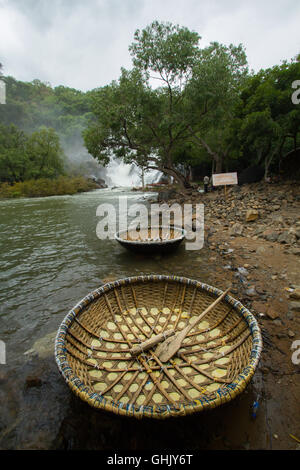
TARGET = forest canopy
(183,106)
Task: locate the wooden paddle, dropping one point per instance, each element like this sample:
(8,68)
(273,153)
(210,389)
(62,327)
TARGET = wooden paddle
(149,343)
(170,346)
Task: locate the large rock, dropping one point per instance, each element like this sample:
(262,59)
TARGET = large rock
(251,215)
(287,237)
(236,229)
(166,195)
(259,307)
(297,233)
(99,181)
(270,235)
(43,347)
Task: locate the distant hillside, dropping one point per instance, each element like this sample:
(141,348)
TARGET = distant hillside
(32,105)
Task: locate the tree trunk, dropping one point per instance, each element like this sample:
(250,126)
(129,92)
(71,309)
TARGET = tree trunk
(268,161)
(216,157)
(181,179)
(219,163)
(143,179)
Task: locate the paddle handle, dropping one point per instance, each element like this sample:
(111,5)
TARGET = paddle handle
(151,342)
(208,309)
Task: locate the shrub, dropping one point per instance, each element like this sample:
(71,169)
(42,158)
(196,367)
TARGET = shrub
(46,187)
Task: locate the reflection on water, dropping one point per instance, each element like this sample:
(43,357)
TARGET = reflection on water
(51,258)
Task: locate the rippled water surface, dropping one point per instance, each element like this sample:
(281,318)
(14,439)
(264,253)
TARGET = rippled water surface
(51,258)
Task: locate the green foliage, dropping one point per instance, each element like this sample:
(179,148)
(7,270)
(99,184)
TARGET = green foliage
(24,157)
(30,105)
(266,124)
(33,105)
(44,154)
(166,50)
(12,154)
(156,127)
(46,187)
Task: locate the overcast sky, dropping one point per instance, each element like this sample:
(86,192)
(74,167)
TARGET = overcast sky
(83,44)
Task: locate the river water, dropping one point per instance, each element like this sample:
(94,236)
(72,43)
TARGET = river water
(51,257)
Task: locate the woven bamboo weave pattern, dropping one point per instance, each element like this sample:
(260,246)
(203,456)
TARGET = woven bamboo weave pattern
(151,239)
(146,234)
(216,361)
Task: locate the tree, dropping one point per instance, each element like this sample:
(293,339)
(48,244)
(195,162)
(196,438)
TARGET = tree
(136,122)
(267,124)
(151,126)
(44,154)
(13,159)
(34,156)
(213,93)
(30,105)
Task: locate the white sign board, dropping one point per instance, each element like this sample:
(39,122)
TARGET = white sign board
(222,179)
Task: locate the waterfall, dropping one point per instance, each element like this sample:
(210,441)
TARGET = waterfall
(123,174)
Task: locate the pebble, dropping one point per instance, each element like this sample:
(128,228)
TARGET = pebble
(281,335)
(272,314)
(251,292)
(295,306)
(295,294)
(243,271)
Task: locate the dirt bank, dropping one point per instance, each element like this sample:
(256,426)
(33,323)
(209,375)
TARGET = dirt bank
(253,234)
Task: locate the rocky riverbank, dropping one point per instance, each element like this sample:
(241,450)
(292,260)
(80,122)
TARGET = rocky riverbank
(253,234)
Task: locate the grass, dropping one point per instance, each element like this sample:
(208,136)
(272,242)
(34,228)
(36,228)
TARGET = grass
(60,186)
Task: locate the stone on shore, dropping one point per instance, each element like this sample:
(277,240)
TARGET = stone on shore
(251,215)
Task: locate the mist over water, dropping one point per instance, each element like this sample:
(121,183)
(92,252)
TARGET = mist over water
(115,174)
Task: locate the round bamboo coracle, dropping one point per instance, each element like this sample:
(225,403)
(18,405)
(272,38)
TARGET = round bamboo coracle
(150,239)
(215,362)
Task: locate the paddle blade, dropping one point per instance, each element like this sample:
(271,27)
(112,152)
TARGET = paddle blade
(161,348)
(169,347)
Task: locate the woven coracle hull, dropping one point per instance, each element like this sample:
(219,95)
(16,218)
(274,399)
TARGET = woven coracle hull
(215,363)
(151,247)
(141,245)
